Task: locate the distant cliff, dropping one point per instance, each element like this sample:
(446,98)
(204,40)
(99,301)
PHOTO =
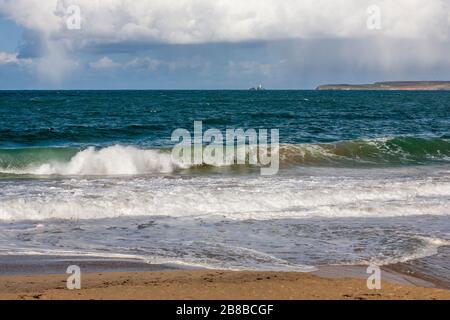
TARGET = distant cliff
(391,85)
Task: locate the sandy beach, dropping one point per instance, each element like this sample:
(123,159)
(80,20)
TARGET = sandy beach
(130,280)
(201,284)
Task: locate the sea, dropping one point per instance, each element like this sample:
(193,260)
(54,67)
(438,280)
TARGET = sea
(364,179)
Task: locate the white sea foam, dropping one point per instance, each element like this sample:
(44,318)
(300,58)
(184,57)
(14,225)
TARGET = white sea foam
(234,198)
(114,160)
(285,222)
(428,248)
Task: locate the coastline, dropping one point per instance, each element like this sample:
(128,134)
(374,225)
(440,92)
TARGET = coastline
(391,86)
(104,278)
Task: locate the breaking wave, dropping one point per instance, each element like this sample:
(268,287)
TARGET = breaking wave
(130,160)
(114,160)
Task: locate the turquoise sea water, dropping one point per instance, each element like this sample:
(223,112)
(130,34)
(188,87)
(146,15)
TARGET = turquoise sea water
(364,178)
(376,127)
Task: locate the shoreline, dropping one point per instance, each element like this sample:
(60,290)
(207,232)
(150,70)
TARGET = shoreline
(105,278)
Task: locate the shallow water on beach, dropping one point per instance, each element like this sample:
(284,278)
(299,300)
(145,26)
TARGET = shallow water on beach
(319,216)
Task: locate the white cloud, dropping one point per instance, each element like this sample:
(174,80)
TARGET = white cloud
(121,22)
(104,63)
(152,64)
(12,59)
(191,63)
(201,21)
(145,63)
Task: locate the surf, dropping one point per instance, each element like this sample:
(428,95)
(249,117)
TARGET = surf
(132,160)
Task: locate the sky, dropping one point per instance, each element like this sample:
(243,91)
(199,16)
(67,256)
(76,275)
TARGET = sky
(220,44)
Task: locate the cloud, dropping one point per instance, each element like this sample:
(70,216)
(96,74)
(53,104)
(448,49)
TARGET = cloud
(13,59)
(104,63)
(148,63)
(128,24)
(144,63)
(191,63)
(204,21)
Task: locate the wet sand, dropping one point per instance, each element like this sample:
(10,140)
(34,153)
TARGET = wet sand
(207,284)
(22,279)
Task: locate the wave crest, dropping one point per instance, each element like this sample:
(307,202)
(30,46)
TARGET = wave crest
(129,160)
(114,160)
